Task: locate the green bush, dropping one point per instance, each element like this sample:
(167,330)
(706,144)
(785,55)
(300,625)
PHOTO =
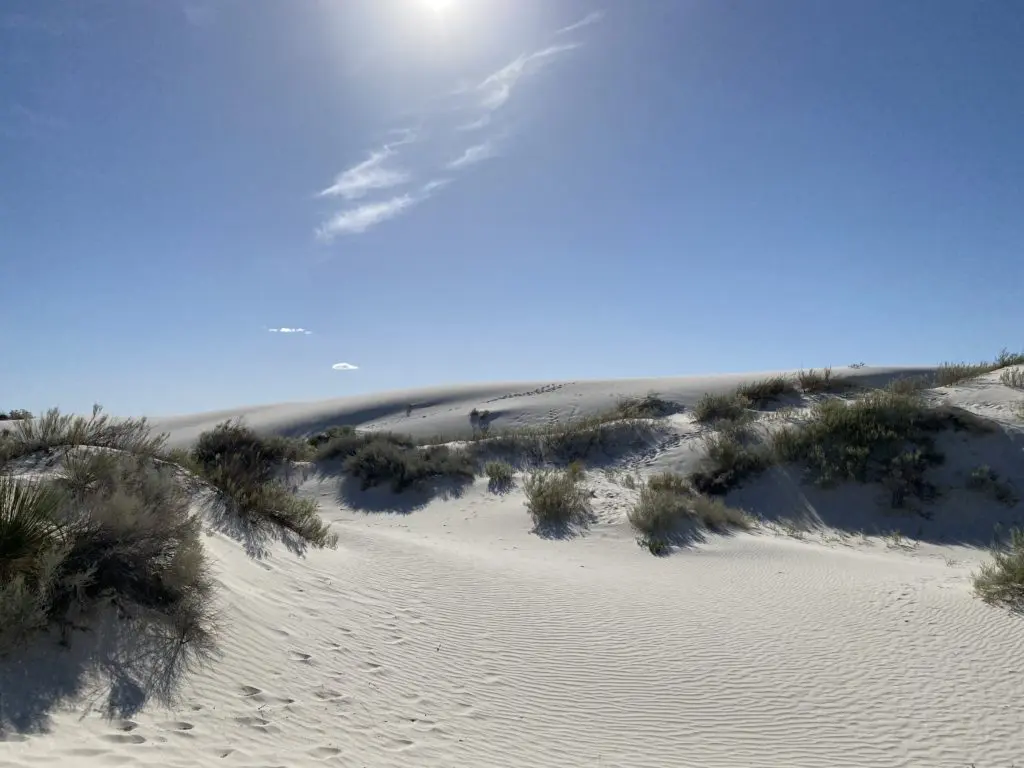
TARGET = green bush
(556,499)
(242,466)
(664,512)
(341,443)
(126,537)
(730,458)
(382,461)
(1002,581)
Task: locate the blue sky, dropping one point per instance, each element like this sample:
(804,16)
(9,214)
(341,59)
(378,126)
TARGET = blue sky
(498,189)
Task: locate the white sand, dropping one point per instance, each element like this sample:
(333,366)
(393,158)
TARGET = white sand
(452,636)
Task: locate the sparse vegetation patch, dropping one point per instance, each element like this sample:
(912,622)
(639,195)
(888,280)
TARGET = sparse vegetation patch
(557,500)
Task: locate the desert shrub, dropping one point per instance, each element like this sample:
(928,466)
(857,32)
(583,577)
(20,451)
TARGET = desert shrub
(241,465)
(15,415)
(764,391)
(320,439)
(885,436)
(1001,582)
(1006,358)
(500,476)
(54,429)
(986,480)
(556,499)
(629,482)
(126,538)
(908,385)
(651,406)
(716,515)
(344,443)
(727,407)
(567,441)
(1012,377)
(819,382)
(730,458)
(949,374)
(669,481)
(383,461)
(661,514)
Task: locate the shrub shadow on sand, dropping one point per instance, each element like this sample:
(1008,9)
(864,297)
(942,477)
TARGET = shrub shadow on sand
(116,667)
(956,515)
(382,499)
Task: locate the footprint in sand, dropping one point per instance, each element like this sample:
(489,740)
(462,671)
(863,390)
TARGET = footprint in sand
(248,691)
(299,656)
(125,725)
(175,725)
(324,753)
(124,738)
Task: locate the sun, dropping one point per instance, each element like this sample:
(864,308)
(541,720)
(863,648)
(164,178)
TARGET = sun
(437,6)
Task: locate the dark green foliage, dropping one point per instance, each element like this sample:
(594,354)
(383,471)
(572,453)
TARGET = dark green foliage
(243,466)
(341,443)
(384,461)
(730,458)
(116,530)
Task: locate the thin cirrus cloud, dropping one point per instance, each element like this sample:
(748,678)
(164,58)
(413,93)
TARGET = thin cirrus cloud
(591,18)
(496,89)
(290,330)
(345,367)
(381,174)
(474,154)
(370,175)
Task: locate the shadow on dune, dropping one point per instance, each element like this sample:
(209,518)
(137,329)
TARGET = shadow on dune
(351,494)
(116,667)
(957,515)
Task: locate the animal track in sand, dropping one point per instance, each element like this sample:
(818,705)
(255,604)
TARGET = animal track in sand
(125,725)
(299,656)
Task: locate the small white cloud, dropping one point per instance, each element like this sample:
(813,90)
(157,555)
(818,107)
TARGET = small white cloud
(367,176)
(474,154)
(345,367)
(496,88)
(591,18)
(290,330)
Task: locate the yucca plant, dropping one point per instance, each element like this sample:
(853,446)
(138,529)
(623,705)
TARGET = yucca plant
(30,527)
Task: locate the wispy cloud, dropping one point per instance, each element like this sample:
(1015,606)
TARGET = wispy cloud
(367,176)
(474,154)
(345,367)
(591,18)
(497,87)
(476,125)
(355,221)
(290,330)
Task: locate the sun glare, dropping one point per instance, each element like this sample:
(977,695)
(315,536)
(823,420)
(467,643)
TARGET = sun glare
(437,6)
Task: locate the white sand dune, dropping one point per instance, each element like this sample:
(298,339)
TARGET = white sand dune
(453,636)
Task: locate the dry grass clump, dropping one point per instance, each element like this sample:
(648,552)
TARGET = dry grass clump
(731,457)
(557,500)
(243,465)
(765,391)
(567,441)
(955,373)
(1012,377)
(668,508)
(725,407)
(814,382)
(651,406)
(500,476)
(115,530)
(54,429)
(1001,582)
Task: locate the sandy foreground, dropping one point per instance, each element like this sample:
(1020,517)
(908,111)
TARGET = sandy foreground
(442,632)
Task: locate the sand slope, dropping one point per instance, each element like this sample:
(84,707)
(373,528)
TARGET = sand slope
(452,636)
